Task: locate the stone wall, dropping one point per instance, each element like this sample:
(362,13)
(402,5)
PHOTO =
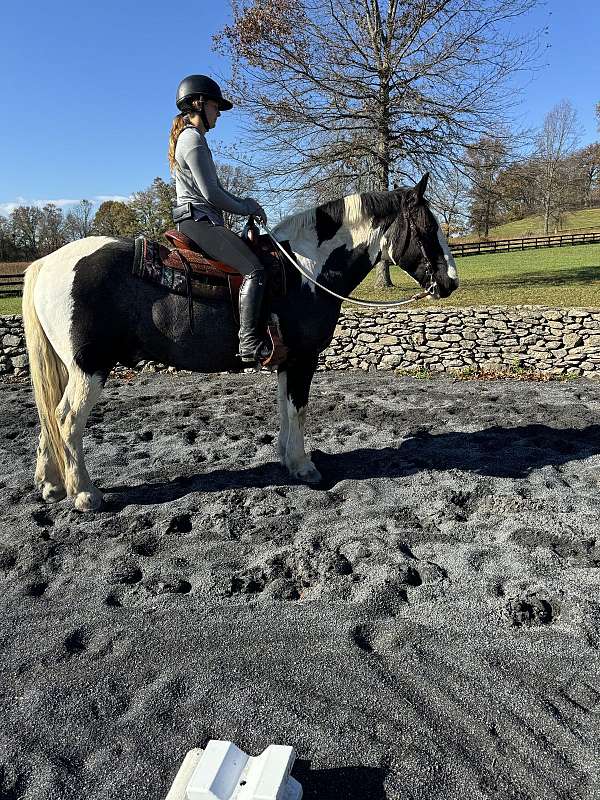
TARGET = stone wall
(560,341)
(13,354)
(554,340)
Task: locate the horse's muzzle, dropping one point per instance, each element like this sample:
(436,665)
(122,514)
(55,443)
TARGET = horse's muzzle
(446,287)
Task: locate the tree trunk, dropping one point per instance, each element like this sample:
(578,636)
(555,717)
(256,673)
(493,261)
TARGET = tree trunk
(383,279)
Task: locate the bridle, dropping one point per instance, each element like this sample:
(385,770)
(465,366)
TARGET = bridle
(429,291)
(429,271)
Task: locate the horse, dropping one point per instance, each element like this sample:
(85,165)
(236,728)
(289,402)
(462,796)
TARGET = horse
(84,311)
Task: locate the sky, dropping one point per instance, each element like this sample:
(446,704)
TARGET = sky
(87,90)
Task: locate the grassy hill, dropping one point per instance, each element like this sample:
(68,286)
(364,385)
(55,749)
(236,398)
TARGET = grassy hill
(564,277)
(534,226)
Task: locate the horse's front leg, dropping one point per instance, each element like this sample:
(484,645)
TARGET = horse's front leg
(294,388)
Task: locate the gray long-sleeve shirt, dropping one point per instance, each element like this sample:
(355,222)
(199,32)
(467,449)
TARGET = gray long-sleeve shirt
(196,180)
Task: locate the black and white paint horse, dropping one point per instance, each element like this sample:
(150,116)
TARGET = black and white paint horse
(84,311)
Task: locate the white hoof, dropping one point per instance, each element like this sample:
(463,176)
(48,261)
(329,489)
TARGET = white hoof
(89,501)
(53,493)
(307,473)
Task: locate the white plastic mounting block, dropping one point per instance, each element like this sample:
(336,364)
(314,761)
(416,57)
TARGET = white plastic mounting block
(224,772)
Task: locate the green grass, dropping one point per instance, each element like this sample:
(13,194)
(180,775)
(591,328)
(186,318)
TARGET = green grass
(562,276)
(534,226)
(10,305)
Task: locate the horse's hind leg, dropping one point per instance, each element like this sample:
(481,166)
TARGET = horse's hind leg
(81,394)
(48,475)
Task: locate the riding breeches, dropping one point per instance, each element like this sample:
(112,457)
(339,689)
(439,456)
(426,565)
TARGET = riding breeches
(222,244)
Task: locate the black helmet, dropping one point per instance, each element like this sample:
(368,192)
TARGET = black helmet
(200,84)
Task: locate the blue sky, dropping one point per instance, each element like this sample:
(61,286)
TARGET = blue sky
(87,89)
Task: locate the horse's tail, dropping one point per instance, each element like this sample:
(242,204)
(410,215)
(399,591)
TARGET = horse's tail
(48,373)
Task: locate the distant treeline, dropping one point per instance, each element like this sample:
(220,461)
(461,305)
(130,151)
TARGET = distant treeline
(30,231)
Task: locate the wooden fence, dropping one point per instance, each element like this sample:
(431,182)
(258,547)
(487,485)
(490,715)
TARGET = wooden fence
(461,249)
(11,284)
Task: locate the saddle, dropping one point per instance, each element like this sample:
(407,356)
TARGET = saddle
(183,269)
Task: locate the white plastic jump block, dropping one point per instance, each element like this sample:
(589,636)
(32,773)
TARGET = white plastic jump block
(223,772)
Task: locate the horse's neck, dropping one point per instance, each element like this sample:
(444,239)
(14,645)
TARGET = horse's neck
(342,261)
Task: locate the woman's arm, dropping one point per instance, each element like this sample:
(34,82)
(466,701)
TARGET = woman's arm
(199,160)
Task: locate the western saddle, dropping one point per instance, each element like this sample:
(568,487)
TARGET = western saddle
(185,270)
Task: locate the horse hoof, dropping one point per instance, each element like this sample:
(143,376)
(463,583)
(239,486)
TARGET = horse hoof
(308,473)
(89,501)
(53,493)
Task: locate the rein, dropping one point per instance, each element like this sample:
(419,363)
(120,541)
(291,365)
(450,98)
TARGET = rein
(428,292)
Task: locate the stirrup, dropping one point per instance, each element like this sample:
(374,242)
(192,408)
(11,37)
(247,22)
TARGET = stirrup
(262,352)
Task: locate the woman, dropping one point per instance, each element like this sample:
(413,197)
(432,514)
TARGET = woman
(201,201)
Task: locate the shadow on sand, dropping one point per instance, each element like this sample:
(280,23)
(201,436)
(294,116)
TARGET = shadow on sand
(350,783)
(494,452)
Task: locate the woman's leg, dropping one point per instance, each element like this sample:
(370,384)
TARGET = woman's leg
(223,245)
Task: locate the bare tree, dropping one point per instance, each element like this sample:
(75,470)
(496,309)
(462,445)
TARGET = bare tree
(448,199)
(485,161)
(518,189)
(358,94)
(554,144)
(586,166)
(238,181)
(52,229)
(80,219)
(8,249)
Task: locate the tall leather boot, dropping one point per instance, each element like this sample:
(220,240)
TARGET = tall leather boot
(252,345)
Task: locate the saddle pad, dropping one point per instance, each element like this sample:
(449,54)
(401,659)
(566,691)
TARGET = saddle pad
(156,264)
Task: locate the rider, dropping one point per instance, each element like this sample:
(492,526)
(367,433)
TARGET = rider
(201,201)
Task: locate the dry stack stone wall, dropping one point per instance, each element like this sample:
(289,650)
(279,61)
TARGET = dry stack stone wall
(560,341)
(553,340)
(13,353)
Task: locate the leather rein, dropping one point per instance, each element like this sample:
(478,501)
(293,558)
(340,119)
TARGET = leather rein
(429,274)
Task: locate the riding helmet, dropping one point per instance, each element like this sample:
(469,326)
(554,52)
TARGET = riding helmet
(201,84)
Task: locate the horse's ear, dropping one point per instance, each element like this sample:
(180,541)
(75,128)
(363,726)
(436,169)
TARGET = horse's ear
(421,186)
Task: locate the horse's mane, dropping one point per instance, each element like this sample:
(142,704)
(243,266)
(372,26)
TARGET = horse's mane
(350,210)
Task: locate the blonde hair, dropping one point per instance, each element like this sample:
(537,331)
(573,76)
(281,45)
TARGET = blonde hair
(179,123)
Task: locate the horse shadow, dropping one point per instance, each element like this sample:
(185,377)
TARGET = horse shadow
(494,452)
(350,783)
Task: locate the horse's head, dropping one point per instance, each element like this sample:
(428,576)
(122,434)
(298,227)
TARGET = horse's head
(415,242)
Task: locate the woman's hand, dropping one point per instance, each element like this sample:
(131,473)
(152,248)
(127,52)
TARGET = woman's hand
(255,208)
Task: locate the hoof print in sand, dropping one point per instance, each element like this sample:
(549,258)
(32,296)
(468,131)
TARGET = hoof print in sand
(113,601)
(124,572)
(361,636)
(532,610)
(168,584)
(76,642)
(36,589)
(8,558)
(12,786)
(42,518)
(148,546)
(182,523)
(293,575)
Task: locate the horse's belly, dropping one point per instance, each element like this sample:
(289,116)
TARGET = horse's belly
(212,345)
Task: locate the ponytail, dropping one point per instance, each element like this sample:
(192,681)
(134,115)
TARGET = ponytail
(179,123)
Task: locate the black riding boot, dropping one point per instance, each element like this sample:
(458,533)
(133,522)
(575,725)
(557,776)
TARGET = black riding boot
(252,345)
